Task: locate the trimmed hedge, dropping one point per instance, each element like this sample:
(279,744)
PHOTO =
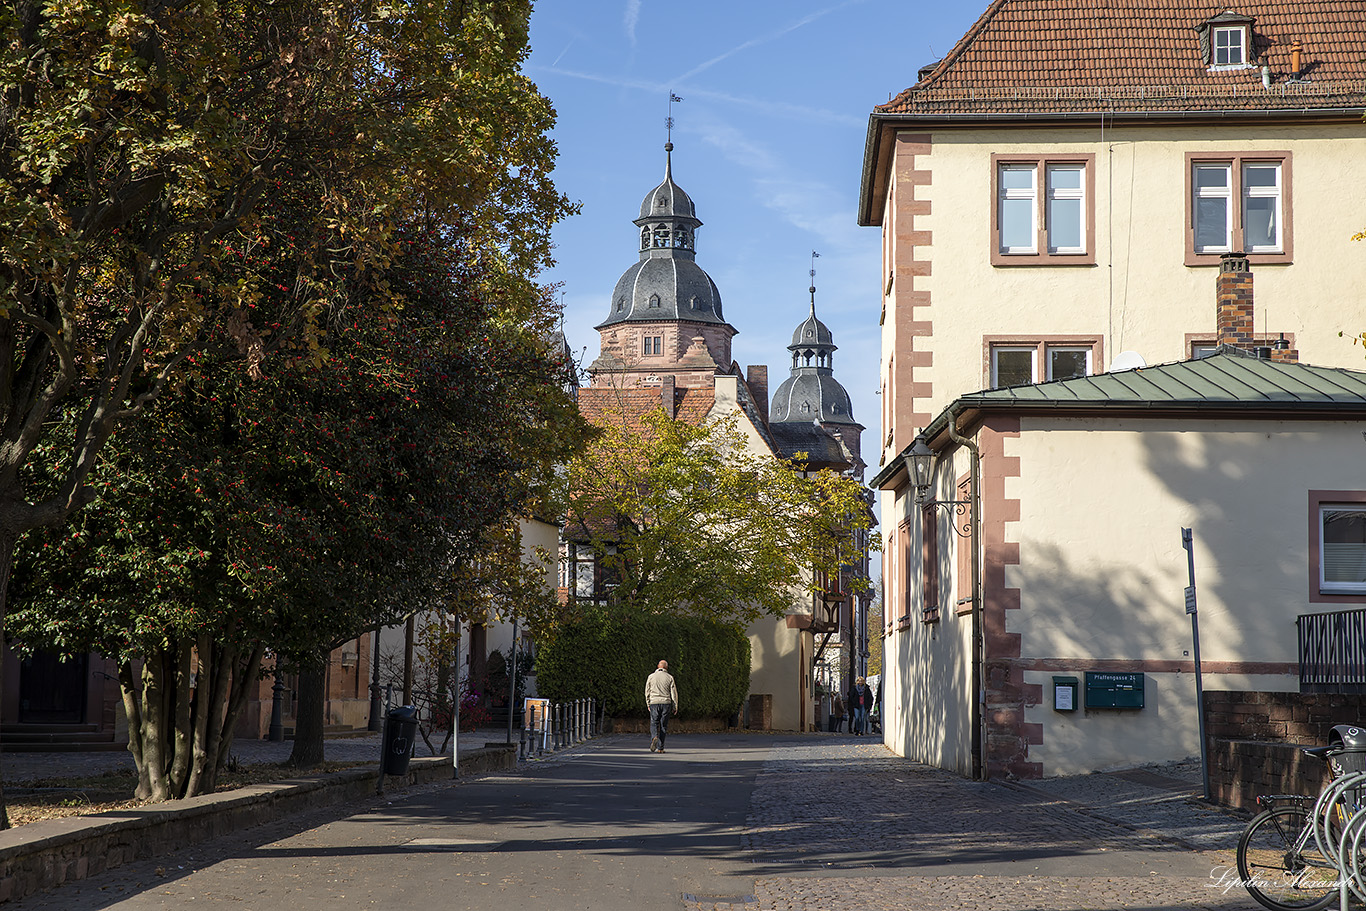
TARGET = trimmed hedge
(609,655)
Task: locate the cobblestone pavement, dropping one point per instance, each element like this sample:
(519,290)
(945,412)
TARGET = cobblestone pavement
(840,825)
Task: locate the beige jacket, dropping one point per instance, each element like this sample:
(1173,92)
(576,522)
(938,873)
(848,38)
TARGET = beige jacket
(660,688)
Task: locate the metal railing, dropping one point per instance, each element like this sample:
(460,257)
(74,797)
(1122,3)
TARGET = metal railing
(1332,651)
(557,725)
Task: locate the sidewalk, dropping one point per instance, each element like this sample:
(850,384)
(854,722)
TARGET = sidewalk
(1160,801)
(16,768)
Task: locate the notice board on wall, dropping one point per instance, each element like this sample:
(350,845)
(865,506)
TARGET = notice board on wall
(1111,690)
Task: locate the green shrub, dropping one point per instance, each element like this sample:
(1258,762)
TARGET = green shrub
(609,655)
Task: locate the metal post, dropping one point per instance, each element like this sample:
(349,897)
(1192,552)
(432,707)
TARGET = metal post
(578,721)
(592,716)
(1187,541)
(521,741)
(376,707)
(512,678)
(277,697)
(455,725)
(559,724)
(383,739)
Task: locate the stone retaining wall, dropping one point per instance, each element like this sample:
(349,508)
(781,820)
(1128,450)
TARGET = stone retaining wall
(1255,740)
(42,855)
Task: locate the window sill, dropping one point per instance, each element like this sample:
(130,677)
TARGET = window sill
(963,607)
(930,616)
(1256,259)
(904,622)
(1043,259)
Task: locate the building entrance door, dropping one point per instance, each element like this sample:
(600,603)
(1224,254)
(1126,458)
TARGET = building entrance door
(52,690)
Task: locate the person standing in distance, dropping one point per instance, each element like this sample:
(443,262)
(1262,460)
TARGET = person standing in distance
(857,705)
(661,697)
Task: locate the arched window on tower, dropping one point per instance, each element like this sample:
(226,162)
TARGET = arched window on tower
(645,238)
(683,238)
(654,300)
(808,355)
(661,235)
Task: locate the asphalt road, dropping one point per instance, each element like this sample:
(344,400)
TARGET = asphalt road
(719,821)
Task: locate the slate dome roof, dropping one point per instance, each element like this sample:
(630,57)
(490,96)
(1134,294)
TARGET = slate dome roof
(812,393)
(666,283)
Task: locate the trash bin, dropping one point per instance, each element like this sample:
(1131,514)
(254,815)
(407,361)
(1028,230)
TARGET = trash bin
(400,730)
(1347,749)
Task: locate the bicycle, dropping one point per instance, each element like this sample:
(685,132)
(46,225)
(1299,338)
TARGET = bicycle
(1280,857)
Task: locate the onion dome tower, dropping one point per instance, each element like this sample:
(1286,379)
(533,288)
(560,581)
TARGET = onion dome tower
(665,316)
(810,409)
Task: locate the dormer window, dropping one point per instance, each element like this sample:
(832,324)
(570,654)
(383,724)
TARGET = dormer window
(1230,46)
(1226,41)
(654,300)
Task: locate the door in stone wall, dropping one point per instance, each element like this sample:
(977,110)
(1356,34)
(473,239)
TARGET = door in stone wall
(52,690)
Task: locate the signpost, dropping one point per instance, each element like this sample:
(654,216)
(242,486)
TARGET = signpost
(1187,541)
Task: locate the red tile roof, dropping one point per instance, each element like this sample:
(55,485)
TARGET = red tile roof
(607,405)
(1050,56)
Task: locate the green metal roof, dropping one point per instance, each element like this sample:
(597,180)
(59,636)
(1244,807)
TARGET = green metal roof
(1229,377)
(1229,380)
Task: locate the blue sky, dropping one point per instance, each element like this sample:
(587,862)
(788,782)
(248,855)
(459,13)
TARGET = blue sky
(768,142)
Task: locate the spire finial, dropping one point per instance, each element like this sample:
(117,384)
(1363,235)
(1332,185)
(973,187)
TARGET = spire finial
(669,135)
(814,256)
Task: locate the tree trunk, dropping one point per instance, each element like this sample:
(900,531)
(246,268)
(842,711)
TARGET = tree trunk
(308,718)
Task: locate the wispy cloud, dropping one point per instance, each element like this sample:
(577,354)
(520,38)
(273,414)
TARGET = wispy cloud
(810,205)
(632,17)
(763,39)
(765,105)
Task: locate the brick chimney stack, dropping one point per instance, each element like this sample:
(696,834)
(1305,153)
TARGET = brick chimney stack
(1233,307)
(667,398)
(757,380)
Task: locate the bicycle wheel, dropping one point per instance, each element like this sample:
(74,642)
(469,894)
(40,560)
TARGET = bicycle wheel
(1280,865)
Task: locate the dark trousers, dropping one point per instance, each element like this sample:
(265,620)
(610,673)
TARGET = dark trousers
(659,721)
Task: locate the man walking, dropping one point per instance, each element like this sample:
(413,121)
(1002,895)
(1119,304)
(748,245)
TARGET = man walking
(661,697)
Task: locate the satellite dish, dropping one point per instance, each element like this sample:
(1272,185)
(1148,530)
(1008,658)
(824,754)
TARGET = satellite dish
(1127,360)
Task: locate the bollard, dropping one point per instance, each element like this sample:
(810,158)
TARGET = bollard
(538,735)
(559,725)
(521,742)
(578,720)
(592,717)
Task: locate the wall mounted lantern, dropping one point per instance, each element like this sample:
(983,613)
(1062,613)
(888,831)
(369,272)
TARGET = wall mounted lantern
(921,459)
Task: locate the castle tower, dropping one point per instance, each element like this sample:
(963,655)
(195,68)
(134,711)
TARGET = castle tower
(811,406)
(665,317)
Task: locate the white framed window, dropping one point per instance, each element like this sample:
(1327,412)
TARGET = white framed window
(1342,548)
(1018,201)
(1212,184)
(1068,363)
(1015,361)
(1261,207)
(1066,215)
(1238,203)
(1011,366)
(1043,210)
(1228,46)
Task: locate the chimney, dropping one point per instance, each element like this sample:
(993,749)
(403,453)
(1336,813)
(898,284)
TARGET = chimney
(757,380)
(666,397)
(1233,302)
(1296,59)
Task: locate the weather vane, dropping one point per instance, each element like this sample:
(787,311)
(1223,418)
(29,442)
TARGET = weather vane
(669,122)
(814,256)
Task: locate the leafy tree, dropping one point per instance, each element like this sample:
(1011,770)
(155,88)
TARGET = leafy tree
(182,182)
(297,510)
(687,518)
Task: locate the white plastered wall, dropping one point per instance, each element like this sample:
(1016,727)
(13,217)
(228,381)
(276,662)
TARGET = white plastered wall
(927,702)
(1102,570)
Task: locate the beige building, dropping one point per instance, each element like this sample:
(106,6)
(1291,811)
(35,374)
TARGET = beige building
(1058,199)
